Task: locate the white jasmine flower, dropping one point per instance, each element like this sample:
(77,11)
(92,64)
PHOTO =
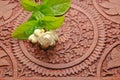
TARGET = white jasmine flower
(33,38)
(37,32)
(55,36)
(47,39)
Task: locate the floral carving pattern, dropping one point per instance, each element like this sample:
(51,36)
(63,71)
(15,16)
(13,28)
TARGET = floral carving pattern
(65,51)
(87,22)
(75,44)
(115,56)
(5,65)
(110,9)
(113,7)
(112,62)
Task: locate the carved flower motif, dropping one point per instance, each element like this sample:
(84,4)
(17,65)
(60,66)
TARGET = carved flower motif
(54,59)
(113,7)
(68,57)
(6,8)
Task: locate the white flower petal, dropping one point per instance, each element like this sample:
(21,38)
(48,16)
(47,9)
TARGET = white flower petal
(37,32)
(33,38)
(47,39)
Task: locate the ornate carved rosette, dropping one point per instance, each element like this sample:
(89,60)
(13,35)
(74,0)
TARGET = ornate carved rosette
(81,40)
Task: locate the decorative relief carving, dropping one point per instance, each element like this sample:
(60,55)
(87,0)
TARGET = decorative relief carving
(6,9)
(112,6)
(6,69)
(112,31)
(9,10)
(91,31)
(109,64)
(109,9)
(65,51)
(5,35)
(115,56)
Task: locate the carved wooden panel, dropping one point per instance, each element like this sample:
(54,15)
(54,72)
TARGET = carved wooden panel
(88,47)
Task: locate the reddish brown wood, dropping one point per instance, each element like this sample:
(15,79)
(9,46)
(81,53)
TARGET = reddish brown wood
(88,47)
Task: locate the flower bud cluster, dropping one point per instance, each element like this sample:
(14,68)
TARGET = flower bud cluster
(45,39)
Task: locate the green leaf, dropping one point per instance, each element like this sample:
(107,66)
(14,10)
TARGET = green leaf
(59,7)
(30,31)
(28,5)
(36,15)
(46,10)
(21,31)
(52,23)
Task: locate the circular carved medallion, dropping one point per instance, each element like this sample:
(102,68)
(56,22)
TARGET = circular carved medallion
(81,40)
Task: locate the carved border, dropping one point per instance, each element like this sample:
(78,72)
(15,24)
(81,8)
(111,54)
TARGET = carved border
(64,78)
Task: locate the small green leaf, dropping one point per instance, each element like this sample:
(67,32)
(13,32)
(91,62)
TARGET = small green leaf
(28,5)
(52,23)
(20,32)
(59,7)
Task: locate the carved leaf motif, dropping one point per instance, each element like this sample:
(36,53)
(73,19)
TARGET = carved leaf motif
(2,54)
(115,55)
(4,62)
(106,5)
(111,11)
(7,14)
(6,9)
(113,7)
